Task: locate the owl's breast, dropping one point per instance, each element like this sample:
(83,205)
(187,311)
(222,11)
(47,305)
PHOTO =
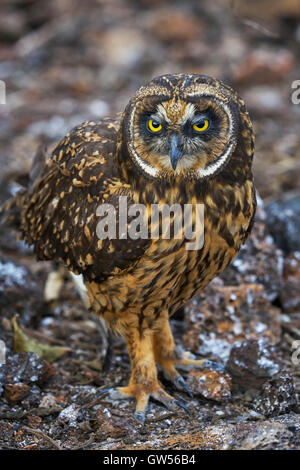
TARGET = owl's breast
(226,227)
(171,270)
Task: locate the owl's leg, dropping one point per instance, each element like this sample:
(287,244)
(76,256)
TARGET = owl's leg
(165,353)
(167,357)
(143,382)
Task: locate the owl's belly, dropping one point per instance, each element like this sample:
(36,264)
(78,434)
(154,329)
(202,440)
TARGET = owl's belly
(167,280)
(169,274)
(201,268)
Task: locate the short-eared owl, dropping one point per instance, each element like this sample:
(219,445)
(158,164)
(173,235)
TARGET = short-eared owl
(183,139)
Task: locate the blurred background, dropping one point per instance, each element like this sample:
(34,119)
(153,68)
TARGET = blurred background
(65,61)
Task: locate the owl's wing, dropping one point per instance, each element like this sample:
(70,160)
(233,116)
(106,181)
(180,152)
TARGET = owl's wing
(59,215)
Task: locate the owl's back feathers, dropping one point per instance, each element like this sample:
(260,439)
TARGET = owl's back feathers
(58,211)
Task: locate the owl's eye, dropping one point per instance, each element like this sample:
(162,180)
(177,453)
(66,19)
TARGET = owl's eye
(154,126)
(201,125)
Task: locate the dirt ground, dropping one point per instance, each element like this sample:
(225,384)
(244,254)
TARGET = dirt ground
(64,62)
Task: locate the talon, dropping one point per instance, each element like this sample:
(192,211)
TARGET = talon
(186,363)
(183,405)
(114,393)
(140,416)
(103,391)
(213,365)
(179,383)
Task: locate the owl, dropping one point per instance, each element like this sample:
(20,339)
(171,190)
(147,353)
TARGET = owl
(183,140)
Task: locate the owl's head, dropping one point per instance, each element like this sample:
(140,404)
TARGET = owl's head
(182,124)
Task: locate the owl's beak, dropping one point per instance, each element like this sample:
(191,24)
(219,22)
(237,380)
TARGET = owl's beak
(176,148)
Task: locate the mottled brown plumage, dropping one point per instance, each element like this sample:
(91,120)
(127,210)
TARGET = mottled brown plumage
(136,284)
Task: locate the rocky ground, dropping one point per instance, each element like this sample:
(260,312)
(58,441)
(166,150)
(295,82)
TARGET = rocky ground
(65,63)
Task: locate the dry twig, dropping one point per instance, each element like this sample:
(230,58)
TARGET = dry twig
(44,436)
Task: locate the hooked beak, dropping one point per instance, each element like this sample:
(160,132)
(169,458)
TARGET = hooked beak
(176,148)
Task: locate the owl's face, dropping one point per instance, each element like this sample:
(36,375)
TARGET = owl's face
(183,125)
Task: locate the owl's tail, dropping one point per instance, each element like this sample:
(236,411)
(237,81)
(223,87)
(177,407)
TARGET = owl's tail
(10,211)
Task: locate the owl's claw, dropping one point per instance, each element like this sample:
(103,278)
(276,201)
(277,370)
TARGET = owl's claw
(180,384)
(142,398)
(189,362)
(181,404)
(114,393)
(103,391)
(207,364)
(140,416)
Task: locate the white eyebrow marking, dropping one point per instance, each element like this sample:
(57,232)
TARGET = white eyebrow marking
(161,112)
(189,113)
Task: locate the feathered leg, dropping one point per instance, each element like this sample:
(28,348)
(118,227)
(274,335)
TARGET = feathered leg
(167,357)
(143,382)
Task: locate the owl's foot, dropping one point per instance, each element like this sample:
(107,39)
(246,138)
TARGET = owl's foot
(170,360)
(142,394)
(188,362)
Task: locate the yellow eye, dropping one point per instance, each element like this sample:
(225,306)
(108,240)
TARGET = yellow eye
(154,126)
(201,125)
